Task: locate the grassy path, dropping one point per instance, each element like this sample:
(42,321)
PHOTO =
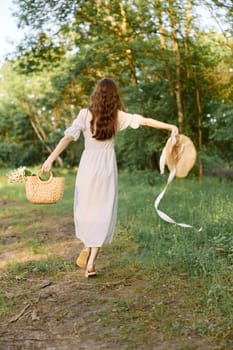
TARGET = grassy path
(139,300)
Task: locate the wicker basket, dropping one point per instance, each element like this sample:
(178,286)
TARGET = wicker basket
(39,191)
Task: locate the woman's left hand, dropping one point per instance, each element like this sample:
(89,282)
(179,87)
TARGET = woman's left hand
(175,130)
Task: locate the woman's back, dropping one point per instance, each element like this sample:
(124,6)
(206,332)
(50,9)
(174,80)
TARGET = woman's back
(83,122)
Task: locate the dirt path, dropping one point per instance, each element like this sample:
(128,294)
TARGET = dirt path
(73,313)
(124,307)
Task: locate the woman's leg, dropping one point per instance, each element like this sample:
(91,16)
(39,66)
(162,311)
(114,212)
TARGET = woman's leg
(91,261)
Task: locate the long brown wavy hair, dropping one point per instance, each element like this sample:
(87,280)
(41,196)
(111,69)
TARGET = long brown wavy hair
(104,105)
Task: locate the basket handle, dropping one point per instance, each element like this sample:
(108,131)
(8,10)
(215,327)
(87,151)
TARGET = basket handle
(45,181)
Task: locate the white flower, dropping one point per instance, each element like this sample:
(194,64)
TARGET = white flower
(21,171)
(19,175)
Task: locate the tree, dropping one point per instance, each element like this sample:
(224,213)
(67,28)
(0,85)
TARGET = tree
(166,67)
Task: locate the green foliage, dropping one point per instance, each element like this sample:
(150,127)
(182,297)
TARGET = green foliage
(8,154)
(139,44)
(221,134)
(41,54)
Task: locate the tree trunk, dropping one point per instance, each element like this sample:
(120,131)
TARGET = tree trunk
(186,38)
(128,51)
(200,145)
(177,56)
(164,48)
(38,129)
(41,138)
(120,30)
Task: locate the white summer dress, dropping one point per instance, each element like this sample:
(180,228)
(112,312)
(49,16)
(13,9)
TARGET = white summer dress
(96,188)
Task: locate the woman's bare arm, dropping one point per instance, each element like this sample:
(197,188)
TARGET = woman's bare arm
(61,146)
(160,125)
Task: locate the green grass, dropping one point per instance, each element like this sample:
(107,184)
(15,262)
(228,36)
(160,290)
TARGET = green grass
(183,251)
(48,266)
(194,267)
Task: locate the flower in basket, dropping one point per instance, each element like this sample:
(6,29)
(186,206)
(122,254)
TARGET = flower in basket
(19,174)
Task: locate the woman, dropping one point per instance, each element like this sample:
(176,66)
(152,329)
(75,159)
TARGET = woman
(95,201)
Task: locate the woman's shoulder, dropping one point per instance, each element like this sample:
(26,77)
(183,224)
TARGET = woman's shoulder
(121,113)
(83,112)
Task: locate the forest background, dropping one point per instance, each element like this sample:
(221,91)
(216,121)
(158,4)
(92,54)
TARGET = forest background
(168,63)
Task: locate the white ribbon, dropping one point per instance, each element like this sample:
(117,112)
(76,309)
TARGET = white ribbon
(171,176)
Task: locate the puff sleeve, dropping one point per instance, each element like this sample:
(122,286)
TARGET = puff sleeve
(126,119)
(77,126)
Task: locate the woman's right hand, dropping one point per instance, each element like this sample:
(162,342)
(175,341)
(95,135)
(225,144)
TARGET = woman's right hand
(47,166)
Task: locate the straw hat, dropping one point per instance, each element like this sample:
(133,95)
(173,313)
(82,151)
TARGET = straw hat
(178,152)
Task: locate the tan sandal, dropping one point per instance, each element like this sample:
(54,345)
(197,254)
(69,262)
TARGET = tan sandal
(83,258)
(90,273)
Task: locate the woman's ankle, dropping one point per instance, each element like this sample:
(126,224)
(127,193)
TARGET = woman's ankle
(91,267)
